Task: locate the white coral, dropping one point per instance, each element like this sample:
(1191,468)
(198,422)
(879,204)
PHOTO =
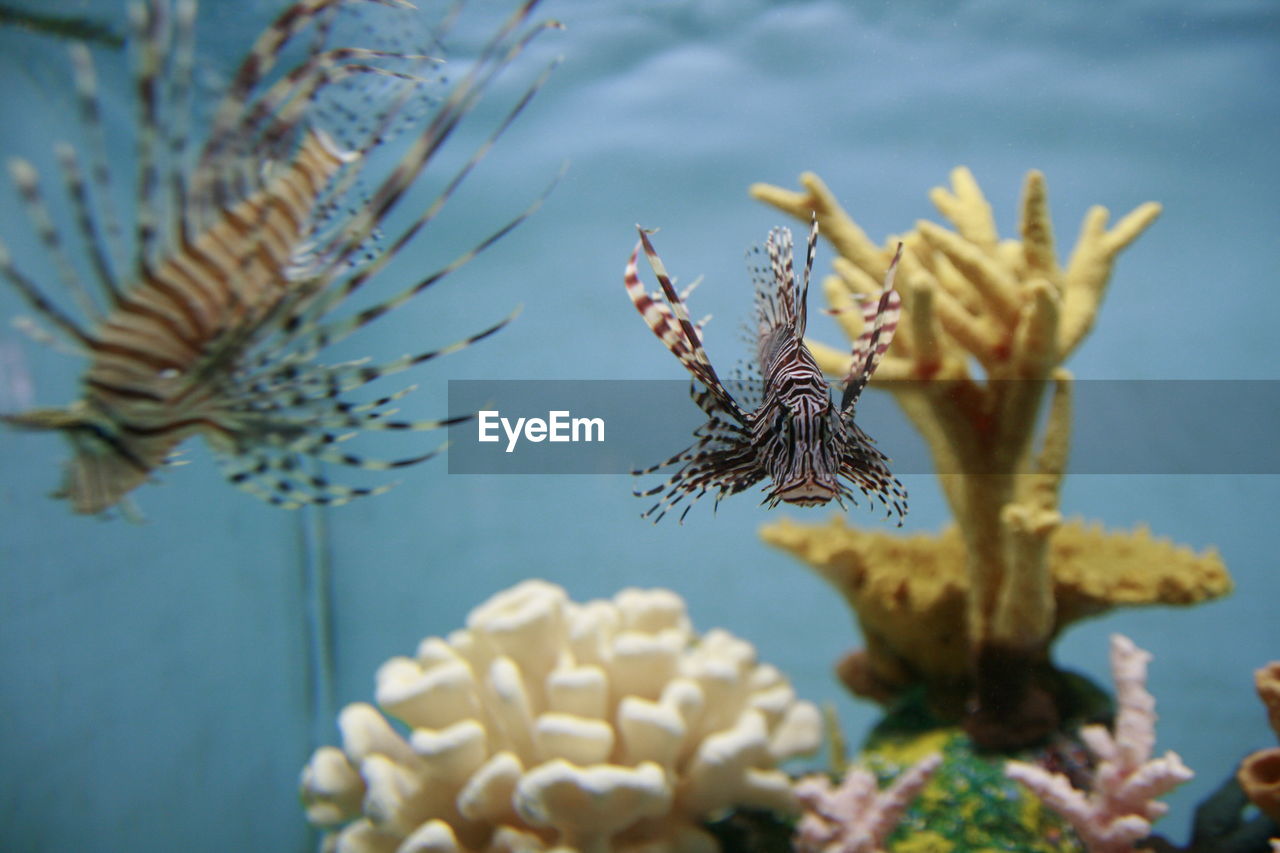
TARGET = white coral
(1120,805)
(548,724)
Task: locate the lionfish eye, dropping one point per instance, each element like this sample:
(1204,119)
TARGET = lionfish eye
(782,425)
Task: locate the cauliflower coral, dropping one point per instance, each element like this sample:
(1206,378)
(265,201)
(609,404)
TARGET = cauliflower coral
(547,724)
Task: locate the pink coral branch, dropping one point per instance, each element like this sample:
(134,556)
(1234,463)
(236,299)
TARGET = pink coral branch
(1120,805)
(856,817)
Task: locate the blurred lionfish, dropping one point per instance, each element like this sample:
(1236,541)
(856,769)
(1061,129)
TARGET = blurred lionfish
(244,251)
(787,428)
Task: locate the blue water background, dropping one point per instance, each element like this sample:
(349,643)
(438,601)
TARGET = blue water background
(162,685)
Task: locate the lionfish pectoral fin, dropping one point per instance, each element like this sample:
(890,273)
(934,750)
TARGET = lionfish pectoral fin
(669,319)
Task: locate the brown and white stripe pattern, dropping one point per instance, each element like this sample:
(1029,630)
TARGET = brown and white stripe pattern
(808,447)
(243,254)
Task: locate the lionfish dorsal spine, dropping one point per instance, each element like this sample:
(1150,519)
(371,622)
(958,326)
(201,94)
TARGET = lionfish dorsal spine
(802,303)
(879,322)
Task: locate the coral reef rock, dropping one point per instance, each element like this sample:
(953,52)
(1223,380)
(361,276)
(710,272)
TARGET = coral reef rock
(547,724)
(1259,774)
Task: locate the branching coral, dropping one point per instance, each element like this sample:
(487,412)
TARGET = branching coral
(548,724)
(1121,804)
(909,592)
(1007,308)
(1259,774)
(856,817)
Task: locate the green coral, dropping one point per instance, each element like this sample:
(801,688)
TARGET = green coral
(968,806)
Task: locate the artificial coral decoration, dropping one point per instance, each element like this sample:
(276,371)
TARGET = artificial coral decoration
(1007,308)
(910,592)
(1120,805)
(547,724)
(856,816)
(1259,774)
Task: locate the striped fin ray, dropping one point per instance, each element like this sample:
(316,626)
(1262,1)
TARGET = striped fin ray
(308,337)
(27,181)
(256,121)
(657,315)
(326,333)
(284,106)
(726,470)
(225,130)
(149,25)
(91,117)
(717,432)
(687,344)
(178,95)
(358,279)
(277,480)
(291,374)
(37,300)
(866,467)
(802,303)
(784,276)
(274,467)
(459,102)
(879,322)
(73,179)
(722,458)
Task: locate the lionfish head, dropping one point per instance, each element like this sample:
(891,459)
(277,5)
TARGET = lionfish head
(802,465)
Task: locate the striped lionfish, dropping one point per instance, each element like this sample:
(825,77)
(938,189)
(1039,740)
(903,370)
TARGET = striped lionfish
(245,249)
(786,427)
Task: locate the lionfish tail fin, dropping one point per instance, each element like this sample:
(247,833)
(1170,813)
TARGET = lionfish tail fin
(95,480)
(101,470)
(879,322)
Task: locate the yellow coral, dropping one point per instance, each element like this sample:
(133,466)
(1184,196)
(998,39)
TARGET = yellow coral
(1011,308)
(909,592)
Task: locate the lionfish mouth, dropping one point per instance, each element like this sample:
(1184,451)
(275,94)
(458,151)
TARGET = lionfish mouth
(805,493)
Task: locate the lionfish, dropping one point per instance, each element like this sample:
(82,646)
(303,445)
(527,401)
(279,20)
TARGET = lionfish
(786,426)
(246,249)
